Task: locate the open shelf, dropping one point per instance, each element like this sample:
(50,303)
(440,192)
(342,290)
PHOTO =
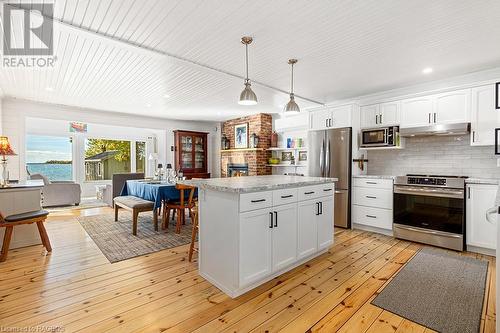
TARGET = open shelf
(384,148)
(287,149)
(288,165)
(242,149)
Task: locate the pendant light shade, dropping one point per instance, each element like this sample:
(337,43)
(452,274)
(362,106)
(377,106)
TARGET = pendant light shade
(291,106)
(247,96)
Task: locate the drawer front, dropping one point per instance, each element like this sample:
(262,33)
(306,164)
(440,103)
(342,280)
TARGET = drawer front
(285,196)
(315,191)
(256,200)
(373,197)
(373,217)
(373,183)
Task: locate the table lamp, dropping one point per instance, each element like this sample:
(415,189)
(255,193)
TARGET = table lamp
(5,150)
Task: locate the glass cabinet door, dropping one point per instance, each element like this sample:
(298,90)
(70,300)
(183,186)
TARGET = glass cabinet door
(186,152)
(199,152)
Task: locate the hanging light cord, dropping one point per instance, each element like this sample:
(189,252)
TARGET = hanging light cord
(292,80)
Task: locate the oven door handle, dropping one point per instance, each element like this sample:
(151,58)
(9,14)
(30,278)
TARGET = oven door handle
(431,232)
(458,194)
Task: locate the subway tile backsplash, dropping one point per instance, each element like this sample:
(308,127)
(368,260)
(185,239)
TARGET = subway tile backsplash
(441,155)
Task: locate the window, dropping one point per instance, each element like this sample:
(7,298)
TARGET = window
(103,158)
(50,156)
(140,156)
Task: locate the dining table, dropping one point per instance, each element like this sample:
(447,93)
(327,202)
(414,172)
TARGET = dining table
(154,190)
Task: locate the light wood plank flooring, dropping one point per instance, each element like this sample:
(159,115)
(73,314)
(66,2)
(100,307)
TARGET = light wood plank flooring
(77,289)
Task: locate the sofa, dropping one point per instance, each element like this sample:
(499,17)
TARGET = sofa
(59,193)
(114,189)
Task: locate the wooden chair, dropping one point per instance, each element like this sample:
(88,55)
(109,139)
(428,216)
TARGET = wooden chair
(135,205)
(11,221)
(194,233)
(179,207)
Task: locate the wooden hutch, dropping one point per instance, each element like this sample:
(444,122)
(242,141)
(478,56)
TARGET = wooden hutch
(191,153)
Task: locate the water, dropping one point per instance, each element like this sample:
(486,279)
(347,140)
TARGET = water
(52,171)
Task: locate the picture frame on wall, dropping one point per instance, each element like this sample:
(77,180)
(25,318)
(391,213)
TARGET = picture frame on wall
(497,141)
(497,95)
(241,136)
(302,156)
(286,156)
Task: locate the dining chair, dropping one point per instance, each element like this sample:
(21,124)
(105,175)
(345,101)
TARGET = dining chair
(179,207)
(194,232)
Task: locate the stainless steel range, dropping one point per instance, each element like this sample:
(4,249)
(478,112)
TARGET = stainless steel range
(430,209)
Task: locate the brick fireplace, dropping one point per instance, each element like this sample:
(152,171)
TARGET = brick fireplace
(255,159)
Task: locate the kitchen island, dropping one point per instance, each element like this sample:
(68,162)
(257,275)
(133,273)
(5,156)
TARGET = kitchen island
(255,228)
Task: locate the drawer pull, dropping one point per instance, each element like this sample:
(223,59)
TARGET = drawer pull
(286,196)
(371,216)
(327,189)
(371,197)
(260,200)
(373,183)
(307,193)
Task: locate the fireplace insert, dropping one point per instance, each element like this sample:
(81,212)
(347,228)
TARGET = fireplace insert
(237,170)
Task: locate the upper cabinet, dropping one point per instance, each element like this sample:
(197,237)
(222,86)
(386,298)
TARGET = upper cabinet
(446,108)
(484,117)
(295,122)
(384,114)
(336,117)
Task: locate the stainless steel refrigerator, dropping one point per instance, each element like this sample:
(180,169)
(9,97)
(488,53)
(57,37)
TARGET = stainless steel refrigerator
(330,155)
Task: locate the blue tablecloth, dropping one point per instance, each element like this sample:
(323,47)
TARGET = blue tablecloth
(153,192)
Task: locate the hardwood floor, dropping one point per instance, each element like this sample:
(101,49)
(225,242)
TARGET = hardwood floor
(77,289)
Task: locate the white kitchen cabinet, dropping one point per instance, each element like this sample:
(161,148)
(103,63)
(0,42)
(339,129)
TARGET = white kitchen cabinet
(417,111)
(255,245)
(320,119)
(307,228)
(445,108)
(452,107)
(289,123)
(384,114)
(372,206)
(325,223)
(484,117)
(479,232)
(336,117)
(284,236)
(248,237)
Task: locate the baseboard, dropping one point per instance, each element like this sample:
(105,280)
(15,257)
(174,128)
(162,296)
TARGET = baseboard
(372,229)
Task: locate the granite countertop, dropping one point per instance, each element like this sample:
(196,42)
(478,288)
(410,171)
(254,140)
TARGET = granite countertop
(24,184)
(375,176)
(492,181)
(256,183)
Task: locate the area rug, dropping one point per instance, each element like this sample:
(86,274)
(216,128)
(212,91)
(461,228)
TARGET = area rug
(115,239)
(438,289)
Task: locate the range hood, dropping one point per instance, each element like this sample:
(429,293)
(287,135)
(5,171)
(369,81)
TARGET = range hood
(436,129)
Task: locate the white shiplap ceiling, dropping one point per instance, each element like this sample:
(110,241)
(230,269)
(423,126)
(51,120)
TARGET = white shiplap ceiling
(174,58)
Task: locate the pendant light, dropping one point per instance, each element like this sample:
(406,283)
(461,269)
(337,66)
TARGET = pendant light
(291,106)
(247,96)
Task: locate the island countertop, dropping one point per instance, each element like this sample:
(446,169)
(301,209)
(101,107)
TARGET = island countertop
(255,183)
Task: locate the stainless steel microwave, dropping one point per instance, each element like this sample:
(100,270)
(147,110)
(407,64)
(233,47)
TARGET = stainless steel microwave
(379,137)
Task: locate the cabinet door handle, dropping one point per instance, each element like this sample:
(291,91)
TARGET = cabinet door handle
(331,122)
(374,183)
(275,219)
(326,122)
(468,193)
(327,189)
(286,196)
(376,119)
(307,193)
(380,117)
(371,197)
(320,208)
(435,117)
(317,208)
(371,216)
(271,223)
(259,200)
(429,118)
(473,136)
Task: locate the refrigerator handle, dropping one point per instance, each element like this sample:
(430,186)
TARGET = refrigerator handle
(327,159)
(321,158)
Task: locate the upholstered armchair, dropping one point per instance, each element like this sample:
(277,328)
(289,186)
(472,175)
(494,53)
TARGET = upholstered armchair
(59,193)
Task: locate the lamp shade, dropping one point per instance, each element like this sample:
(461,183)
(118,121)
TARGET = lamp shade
(247,96)
(5,148)
(291,106)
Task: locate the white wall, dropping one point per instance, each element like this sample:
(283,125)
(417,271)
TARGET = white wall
(1,117)
(17,118)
